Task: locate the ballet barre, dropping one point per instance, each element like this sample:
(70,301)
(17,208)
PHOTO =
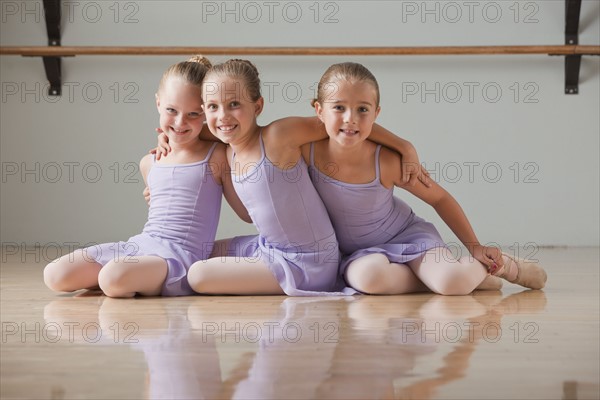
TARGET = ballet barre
(52,54)
(70,51)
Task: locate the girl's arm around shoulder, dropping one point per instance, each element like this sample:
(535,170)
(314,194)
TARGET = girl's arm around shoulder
(296,131)
(411,169)
(221,171)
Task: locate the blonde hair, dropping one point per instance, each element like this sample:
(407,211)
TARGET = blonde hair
(348,71)
(240,69)
(191,71)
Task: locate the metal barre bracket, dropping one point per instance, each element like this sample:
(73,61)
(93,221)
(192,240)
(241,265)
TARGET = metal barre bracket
(572,62)
(53,65)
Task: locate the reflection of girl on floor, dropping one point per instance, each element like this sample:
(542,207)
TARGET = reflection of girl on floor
(182,364)
(324,348)
(294,351)
(402,336)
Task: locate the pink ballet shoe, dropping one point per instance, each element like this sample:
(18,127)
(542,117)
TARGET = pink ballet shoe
(529,274)
(490,282)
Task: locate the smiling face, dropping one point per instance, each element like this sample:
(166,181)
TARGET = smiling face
(180,107)
(230,113)
(348,110)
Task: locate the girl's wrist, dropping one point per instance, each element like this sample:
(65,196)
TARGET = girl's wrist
(472,246)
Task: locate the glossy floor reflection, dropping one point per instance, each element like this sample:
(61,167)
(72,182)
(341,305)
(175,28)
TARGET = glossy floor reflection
(508,344)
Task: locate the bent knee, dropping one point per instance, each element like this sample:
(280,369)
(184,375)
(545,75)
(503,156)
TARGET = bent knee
(60,278)
(55,279)
(368,277)
(113,281)
(200,278)
(451,283)
(368,285)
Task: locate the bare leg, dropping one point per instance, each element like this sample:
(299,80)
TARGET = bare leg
(72,272)
(144,275)
(375,274)
(232,275)
(443,274)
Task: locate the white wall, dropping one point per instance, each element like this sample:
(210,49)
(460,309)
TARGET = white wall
(545,144)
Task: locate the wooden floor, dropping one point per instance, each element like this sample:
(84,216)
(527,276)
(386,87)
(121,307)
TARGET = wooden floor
(509,344)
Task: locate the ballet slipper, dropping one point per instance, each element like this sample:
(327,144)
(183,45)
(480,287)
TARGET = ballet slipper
(529,273)
(491,282)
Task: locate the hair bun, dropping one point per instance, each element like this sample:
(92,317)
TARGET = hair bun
(200,60)
(243,62)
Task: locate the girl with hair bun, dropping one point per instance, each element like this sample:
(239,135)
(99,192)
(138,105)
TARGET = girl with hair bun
(186,187)
(296,251)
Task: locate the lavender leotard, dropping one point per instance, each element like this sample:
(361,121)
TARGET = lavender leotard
(368,219)
(296,239)
(182,222)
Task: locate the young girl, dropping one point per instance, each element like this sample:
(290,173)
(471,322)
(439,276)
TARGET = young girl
(186,186)
(388,249)
(296,251)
